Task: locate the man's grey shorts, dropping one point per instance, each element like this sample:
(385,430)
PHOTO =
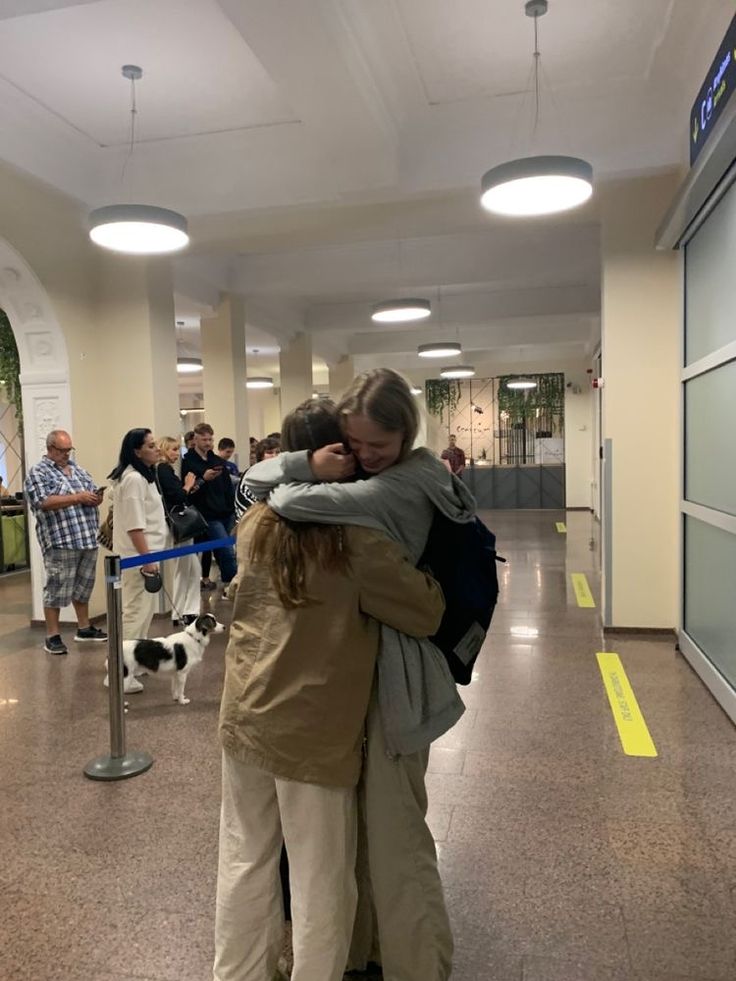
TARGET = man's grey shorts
(70,575)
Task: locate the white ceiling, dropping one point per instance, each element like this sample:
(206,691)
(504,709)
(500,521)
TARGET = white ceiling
(306,139)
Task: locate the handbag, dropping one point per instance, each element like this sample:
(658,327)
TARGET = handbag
(184,520)
(104,533)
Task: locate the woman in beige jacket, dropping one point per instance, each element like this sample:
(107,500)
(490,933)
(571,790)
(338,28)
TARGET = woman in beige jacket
(299,668)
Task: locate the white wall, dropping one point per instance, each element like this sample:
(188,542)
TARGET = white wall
(641,341)
(264,412)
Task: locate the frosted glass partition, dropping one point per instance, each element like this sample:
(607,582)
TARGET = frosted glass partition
(710,439)
(710,283)
(710,610)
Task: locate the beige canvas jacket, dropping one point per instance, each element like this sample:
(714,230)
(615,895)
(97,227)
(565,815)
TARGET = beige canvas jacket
(297,682)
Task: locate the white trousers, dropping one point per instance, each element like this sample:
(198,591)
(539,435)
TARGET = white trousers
(318,824)
(138,605)
(185,572)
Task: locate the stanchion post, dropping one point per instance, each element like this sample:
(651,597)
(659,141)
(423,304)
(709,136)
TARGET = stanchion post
(120,764)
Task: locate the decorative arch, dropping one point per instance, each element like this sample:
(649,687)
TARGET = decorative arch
(44,373)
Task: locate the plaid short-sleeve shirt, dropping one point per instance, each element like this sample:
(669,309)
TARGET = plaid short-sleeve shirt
(71,527)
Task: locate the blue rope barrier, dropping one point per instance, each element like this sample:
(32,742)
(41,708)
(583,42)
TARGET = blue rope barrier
(174,553)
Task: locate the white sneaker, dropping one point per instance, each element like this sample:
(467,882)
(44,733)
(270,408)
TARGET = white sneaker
(130,684)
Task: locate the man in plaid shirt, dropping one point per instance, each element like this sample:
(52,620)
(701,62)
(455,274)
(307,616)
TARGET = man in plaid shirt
(66,502)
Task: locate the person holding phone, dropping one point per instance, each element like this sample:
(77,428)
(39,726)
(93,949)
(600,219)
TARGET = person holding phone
(213,496)
(65,502)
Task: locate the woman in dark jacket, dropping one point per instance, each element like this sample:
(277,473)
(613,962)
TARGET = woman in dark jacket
(185,592)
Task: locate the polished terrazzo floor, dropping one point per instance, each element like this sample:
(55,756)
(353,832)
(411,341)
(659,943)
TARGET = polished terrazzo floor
(563,859)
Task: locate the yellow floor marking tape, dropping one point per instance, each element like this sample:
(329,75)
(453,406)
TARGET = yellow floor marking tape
(632,728)
(561,527)
(582,590)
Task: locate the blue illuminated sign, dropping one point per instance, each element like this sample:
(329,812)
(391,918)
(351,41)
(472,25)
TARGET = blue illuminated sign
(714,93)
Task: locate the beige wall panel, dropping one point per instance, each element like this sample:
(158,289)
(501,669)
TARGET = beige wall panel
(641,340)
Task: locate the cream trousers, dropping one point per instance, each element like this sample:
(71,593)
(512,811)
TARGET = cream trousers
(400,891)
(182,581)
(138,605)
(319,826)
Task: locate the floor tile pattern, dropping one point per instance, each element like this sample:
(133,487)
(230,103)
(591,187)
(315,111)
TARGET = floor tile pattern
(563,859)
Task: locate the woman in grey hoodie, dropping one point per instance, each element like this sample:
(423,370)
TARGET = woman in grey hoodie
(415,699)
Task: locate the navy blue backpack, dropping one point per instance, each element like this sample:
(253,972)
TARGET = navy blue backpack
(462,558)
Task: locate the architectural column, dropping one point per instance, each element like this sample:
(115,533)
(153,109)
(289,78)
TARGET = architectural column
(135,311)
(296,372)
(224,363)
(641,339)
(341,374)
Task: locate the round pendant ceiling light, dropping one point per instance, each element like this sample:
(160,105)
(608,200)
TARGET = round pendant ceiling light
(537,186)
(259,381)
(458,371)
(541,184)
(137,229)
(415,390)
(439,349)
(188,366)
(521,383)
(401,311)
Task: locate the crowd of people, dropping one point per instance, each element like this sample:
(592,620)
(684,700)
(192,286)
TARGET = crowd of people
(332,692)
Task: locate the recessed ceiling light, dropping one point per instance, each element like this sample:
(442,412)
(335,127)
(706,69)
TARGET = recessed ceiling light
(416,391)
(259,381)
(188,366)
(458,371)
(401,311)
(439,349)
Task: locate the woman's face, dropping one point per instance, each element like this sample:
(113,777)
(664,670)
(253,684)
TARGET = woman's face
(148,453)
(270,454)
(171,455)
(375,448)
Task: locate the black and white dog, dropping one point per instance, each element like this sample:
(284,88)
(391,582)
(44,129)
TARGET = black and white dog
(178,653)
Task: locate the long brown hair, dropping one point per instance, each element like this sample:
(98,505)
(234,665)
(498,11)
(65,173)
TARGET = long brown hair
(288,548)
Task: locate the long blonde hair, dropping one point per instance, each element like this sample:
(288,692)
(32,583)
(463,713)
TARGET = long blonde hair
(384,396)
(288,548)
(167,443)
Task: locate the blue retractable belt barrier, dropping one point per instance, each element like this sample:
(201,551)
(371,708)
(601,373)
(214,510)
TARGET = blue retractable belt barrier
(174,553)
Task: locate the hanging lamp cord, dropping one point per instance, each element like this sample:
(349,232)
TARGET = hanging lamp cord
(537,56)
(133,114)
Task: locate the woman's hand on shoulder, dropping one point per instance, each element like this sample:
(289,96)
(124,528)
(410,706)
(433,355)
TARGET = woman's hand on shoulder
(332,462)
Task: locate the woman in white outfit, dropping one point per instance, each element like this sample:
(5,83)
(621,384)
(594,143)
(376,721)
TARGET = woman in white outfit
(185,594)
(139,526)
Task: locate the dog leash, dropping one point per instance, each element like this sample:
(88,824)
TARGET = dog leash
(179,615)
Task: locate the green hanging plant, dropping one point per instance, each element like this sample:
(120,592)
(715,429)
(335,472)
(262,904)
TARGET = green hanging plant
(541,408)
(441,394)
(10,365)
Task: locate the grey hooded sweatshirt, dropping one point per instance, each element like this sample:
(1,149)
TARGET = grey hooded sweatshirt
(417,695)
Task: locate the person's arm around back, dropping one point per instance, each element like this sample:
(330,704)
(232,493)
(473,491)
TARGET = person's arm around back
(392,590)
